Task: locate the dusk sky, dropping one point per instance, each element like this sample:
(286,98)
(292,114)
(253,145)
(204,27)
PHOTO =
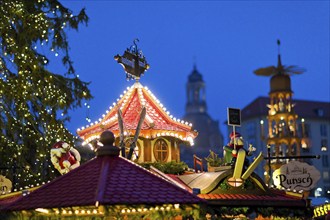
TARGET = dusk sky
(227,40)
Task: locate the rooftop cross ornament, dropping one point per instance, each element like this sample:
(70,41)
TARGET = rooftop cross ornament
(133,62)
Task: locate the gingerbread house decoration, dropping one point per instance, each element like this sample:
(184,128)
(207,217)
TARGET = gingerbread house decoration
(159,133)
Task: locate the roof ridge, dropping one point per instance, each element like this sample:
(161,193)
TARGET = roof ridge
(101,185)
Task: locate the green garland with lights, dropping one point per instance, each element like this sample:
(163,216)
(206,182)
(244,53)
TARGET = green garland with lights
(172,167)
(34,102)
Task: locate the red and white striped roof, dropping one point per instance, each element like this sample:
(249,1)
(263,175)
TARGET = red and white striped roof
(157,123)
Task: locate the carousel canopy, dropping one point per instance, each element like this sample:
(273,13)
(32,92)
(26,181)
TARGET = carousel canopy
(157,123)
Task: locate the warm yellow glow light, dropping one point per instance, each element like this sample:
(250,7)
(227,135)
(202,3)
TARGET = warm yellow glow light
(46,211)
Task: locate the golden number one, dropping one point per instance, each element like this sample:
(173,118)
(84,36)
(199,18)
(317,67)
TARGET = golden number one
(239,164)
(253,165)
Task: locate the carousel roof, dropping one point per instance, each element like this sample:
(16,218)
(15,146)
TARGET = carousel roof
(158,121)
(105,180)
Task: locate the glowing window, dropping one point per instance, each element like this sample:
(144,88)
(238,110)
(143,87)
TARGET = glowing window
(161,150)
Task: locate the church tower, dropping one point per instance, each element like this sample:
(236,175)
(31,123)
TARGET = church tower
(195,93)
(282,139)
(209,135)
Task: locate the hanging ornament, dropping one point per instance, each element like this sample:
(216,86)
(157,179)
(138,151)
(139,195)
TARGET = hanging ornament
(64,157)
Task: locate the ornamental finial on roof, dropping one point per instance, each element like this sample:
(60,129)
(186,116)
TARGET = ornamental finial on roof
(107,138)
(133,62)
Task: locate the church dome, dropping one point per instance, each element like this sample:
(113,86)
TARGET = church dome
(195,76)
(280,83)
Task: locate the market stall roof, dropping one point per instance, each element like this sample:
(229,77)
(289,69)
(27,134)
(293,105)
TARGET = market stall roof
(272,199)
(105,180)
(211,187)
(158,121)
(7,199)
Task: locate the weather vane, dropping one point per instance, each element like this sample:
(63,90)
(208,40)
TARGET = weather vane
(133,62)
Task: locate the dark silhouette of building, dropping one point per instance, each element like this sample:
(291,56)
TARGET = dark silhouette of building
(209,135)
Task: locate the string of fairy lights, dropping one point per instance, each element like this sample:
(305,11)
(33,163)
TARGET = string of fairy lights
(34,102)
(124,100)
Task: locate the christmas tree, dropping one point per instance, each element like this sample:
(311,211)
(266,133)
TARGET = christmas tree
(34,101)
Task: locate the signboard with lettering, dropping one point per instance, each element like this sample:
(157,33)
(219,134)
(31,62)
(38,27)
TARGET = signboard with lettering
(296,175)
(5,185)
(321,211)
(234,116)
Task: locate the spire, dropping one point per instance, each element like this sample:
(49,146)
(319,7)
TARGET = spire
(195,92)
(194,61)
(195,76)
(279,63)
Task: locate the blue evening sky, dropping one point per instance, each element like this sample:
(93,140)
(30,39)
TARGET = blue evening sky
(227,40)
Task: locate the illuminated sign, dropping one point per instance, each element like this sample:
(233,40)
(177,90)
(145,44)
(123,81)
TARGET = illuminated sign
(5,185)
(321,210)
(296,176)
